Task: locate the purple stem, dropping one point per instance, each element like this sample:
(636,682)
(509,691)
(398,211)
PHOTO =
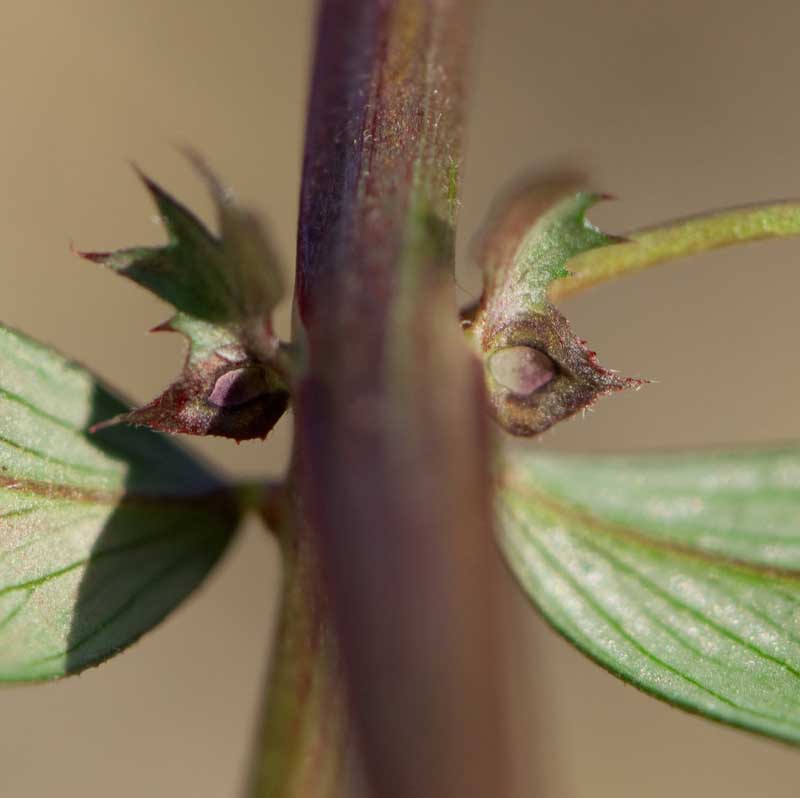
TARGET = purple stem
(393,441)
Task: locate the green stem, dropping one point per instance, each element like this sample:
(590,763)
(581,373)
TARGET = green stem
(301,744)
(679,239)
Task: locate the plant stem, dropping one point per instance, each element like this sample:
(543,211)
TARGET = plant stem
(679,239)
(392,436)
(302,740)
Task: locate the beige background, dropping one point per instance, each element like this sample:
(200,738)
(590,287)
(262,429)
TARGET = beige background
(674,107)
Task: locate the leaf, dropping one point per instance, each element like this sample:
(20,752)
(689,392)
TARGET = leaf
(678,573)
(233,382)
(678,240)
(102,535)
(531,232)
(537,371)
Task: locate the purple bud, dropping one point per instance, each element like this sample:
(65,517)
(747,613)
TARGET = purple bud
(521,369)
(237,387)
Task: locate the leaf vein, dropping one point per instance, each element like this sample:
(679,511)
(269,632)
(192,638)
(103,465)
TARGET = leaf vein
(644,651)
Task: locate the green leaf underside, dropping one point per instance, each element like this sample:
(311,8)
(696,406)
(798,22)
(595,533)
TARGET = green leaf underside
(678,573)
(100,535)
(522,260)
(224,292)
(679,239)
(562,233)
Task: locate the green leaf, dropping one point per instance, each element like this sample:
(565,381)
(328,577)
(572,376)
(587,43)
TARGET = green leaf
(678,573)
(233,382)
(531,232)
(100,535)
(537,371)
(679,240)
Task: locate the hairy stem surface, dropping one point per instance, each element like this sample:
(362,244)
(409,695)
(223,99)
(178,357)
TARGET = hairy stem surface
(391,425)
(302,742)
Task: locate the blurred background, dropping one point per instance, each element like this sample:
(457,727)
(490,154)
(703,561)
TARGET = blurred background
(673,107)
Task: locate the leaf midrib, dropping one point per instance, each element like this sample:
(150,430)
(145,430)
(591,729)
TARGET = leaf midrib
(72,493)
(622,531)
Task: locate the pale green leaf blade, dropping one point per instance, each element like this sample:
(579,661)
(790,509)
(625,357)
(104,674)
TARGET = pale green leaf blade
(679,239)
(743,505)
(678,573)
(100,535)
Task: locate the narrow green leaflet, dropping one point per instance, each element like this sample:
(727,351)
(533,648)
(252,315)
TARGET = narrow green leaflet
(224,291)
(101,535)
(678,573)
(680,239)
(537,371)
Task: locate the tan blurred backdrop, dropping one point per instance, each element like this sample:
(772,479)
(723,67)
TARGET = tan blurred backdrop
(674,107)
